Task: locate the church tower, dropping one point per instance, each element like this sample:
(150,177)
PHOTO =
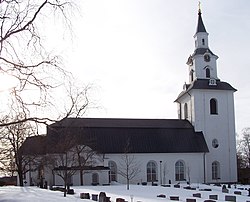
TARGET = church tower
(208,103)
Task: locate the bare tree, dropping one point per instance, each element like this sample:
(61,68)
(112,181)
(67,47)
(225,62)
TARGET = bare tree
(129,167)
(38,74)
(243,149)
(63,160)
(12,158)
(85,157)
(69,156)
(24,57)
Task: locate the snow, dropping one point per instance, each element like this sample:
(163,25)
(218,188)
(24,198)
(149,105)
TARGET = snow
(136,193)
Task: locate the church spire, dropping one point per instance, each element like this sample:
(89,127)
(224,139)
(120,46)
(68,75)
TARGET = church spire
(200,26)
(202,63)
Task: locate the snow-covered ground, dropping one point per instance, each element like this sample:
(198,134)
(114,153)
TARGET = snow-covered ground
(135,194)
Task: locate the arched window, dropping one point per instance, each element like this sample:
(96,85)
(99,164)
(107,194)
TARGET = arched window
(151,171)
(213,106)
(215,170)
(207,73)
(203,42)
(179,171)
(113,171)
(191,75)
(185,111)
(95,179)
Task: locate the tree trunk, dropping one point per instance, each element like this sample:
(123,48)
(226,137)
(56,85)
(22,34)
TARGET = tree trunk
(65,181)
(65,188)
(20,177)
(81,177)
(19,168)
(127,184)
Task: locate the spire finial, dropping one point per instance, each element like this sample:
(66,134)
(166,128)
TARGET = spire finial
(199,6)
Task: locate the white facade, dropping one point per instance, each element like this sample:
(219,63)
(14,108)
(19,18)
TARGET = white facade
(165,170)
(210,109)
(165,167)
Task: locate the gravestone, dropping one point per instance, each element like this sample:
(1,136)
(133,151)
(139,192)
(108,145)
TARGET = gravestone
(230,198)
(94,197)
(237,192)
(198,195)
(70,191)
(161,195)
(190,200)
(84,196)
(174,198)
(213,196)
(102,197)
(120,200)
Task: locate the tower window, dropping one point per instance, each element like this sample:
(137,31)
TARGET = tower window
(207,58)
(192,75)
(203,42)
(213,106)
(215,143)
(215,170)
(185,111)
(207,73)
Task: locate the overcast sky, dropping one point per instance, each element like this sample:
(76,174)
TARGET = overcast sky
(135,53)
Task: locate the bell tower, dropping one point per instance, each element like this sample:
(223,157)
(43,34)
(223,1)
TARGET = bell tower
(208,103)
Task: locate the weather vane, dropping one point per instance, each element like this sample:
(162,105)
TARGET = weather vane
(199,6)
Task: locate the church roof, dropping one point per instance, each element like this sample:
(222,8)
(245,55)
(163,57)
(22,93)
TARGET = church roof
(202,51)
(140,135)
(119,122)
(35,145)
(120,135)
(204,84)
(200,25)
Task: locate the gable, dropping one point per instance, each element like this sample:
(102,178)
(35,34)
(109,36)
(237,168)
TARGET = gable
(204,84)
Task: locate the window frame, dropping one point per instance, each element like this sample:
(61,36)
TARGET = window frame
(215,143)
(113,171)
(151,171)
(215,170)
(180,171)
(208,73)
(95,178)
(203,42)
(213,104)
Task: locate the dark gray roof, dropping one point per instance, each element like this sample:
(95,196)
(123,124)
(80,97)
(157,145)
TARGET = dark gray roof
(119,122)
(140,135)
(200,25)
(120,135)
(35,145)
(204,84)
(202,51)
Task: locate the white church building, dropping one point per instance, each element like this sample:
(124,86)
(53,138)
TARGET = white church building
(200,146)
